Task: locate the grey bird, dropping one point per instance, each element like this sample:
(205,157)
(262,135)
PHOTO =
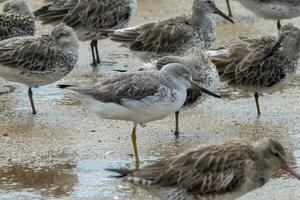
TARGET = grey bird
(223,171)
(39,60)
(139,97)
(91,19)
(261,64)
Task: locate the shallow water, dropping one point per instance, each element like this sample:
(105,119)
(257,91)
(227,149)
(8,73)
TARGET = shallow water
(61,153)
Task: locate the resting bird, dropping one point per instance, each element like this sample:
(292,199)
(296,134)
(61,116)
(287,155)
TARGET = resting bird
(275,9)
(16,20)
(223,171)
(91,19)
(175,35)
(261,64)
(39,60)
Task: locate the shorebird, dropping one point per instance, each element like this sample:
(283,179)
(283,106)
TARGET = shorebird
(139,97)
(91,19)
(222,171)
(41,60)
(275,9)
(16,20)
(261,64)
(204,73)
(175,35)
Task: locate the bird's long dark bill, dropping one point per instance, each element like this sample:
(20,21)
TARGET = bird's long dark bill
(204,90)
(291,171)
(219,12)
(273,49)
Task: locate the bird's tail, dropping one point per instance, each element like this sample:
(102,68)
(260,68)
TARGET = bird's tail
(121,173)
(54,12)
(220,59)
(48,16)
(124,35)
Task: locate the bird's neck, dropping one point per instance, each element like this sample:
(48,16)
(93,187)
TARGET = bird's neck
(202,19)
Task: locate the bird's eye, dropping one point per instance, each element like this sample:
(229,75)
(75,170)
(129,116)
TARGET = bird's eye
(277,155)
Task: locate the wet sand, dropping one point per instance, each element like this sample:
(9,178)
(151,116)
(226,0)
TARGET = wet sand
(61,152)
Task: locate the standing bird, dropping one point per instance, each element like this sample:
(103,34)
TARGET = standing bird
(272,9)
(262,64)
(223,171)
(41,60)
(91,19)
(16,20)
(204,73)
(139,97)
(175,35)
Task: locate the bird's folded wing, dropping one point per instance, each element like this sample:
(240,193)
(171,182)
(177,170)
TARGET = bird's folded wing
(101,15)
(245,63)
(161,37)
(132,86)
(256,69)
(31,54)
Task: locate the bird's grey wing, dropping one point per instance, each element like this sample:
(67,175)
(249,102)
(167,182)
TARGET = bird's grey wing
(102,15)
(55,11)
(161,37)
(33,54)
(13,25)
(205,170)
(133,86)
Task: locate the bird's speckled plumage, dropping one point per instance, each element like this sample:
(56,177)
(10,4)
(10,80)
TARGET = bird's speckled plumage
(262,64)
(41,60)
(16,20)
(91,19)
(222,171)
(175,35)
(245,64)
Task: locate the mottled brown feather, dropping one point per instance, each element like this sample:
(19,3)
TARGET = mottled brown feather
(204,170)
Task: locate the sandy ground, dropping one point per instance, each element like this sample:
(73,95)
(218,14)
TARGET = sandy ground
(61,152)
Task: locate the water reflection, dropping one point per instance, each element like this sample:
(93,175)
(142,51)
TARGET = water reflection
(56,181)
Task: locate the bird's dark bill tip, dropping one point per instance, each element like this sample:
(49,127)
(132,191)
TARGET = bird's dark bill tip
(63,86)
(206,91)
